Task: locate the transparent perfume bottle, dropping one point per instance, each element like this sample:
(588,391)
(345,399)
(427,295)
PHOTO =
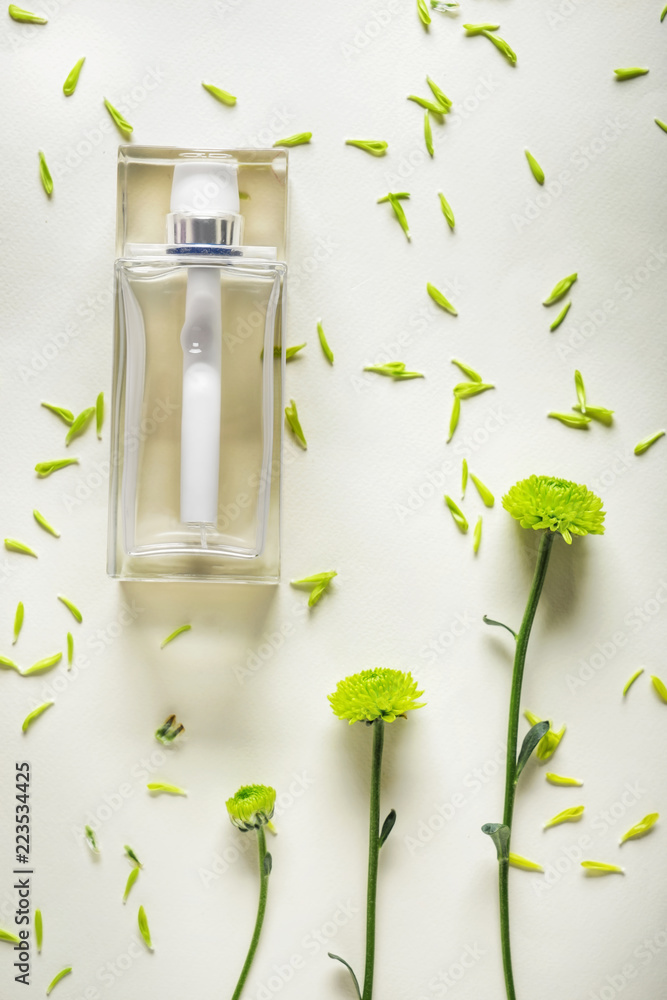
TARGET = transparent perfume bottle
(199,364)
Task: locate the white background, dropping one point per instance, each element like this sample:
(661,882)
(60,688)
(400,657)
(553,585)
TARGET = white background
(366,499)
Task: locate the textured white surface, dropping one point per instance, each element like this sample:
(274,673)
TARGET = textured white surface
(249,681)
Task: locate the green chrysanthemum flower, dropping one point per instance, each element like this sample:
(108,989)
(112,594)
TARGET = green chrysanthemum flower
(556,504)
(252,806)
(375,694)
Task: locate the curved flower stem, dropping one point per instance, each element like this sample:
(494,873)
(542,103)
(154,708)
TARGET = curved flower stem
(373,856)
(263,890)
(543,553)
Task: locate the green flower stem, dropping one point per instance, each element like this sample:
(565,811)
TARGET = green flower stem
(261,909)
(373,857)
(543,553)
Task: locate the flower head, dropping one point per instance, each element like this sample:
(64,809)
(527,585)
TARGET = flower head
(375,694)
(252,806)
(556,504)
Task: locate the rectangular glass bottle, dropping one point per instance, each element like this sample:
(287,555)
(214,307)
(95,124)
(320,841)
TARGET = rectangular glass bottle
(198,365)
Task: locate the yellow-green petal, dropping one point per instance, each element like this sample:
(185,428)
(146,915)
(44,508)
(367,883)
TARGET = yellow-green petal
(70,649)
(69,86)
(172,635)
(376,147)
(25,16)
(35,714)
(60,411)
(535,168)
(660,687)
(631,680)
(457,514)
(560,317)
(71,607)
(454,418)
(440,299)
(485,493)
(18,621)
(477,535)
(428,134)
(328,353)
(642,828)
(44,469)
(9,936)
(99,414)
(14,545)
(300,139)
(144,930)
(630,72)
(80,424)
(566,816)
(7,664)
(39,930)
(560,289)
(45,174)
(220,95)
(131,879)
(516,861)
(163,787)
(43,523)
(56,979)
(43,665)
(121,123)
(294,424)
(559,779)
(447,212)
(646,443)
(600,868)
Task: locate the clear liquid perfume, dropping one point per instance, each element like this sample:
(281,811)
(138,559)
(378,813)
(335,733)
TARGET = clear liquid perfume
(198,365)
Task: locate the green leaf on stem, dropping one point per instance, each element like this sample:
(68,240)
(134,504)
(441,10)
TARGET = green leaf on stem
(267,864)
(490,621)
(347,965)
(531,739)
(387,826)
(500,835)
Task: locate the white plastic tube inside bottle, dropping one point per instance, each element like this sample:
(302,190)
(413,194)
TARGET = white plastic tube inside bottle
(202,192)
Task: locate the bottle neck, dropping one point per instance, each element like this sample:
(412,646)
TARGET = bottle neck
(214,230)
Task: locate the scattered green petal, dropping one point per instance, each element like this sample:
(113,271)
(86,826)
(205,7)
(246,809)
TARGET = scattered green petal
(440,299)
(80,424)
(39,930)
(44,469)
(659,687)
(560,317)
(99,414)
(630,72)
(400,195)
(444,6)
(319,583)
(43,665)
(428,134)
(69,86)
(661,124)
(290,352)
(220,95)
(599,413)
(478,29)
(393,369)
(132,856)
(25,16)
(13,545)
(467,370)
(566,816)
(559,779)
(560,289)
(7,664)
(163,787)
(43,523)
(600,868)
(631,680)
(485,493)
(571,420)
(516,861)
(18,621)
(647,442)
(71,607)
(642,828)
(91,840)
(172,635)
(56,979)
(432,106)
(35,714)
(477,535)
(45,174)
(663,15)
(457,514)
(454,419)
(131,879)
(440,96)
(464,477)
(121,123)
(9,937)
(465,390)
(376,147)
(399,213)
(70,649)
(328,353)
(581,390)
(300,139)
(65,415)
(422,11)
(535,168)
(294,424)
(447,212)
